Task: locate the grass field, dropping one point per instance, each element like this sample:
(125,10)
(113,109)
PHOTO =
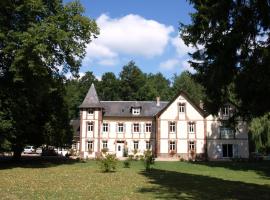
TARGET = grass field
(54,179)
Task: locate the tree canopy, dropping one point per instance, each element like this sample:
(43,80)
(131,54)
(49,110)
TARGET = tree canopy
(232,53)
(131,84)
(39,40)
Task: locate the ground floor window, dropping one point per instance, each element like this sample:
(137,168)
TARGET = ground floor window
(148,145)
(227,150)
(90,145)
(136,145)
(104,144)
(191,146)
(172,146)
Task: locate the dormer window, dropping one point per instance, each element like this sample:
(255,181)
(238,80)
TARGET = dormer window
(136,111)
(226,111)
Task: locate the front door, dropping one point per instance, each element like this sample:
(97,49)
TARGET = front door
(119,149)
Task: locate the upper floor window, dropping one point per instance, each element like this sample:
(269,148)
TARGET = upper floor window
(105,127)
(136,127)
(90,111)
(172,146)
(120,127)
(172,127)
(226,132)
(90,126)
(136,144)
(136,111)
(226,111)
(182,107)
(148,127)
(191,127)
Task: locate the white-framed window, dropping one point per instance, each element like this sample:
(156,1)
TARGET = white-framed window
(191,146)
(227,150)
(226,110)
(104,144)
(226,132)
(136,144)
(90,146)
(105,127)
(120,127)
(148,127)
(172,127)
(90,126)
(136,128)
(90,111)
(172,146)
(191,127)
(148,145)
(136,111)
(182,107)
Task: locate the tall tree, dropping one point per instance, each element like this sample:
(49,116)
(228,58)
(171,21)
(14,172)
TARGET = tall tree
(108,88)
(185,82)
(234,49)
(36,38)
(132,79)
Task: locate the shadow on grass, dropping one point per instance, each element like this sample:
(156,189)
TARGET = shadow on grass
(36,162)
(176,185)
(262,168)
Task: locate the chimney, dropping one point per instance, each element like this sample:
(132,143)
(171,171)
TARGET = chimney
(201,105)
(158,101)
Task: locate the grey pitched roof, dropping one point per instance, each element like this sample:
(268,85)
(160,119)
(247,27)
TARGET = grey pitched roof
(123,108)
(91,100)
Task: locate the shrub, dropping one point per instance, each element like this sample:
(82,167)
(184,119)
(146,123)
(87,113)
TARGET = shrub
(172,153)
(104,151)
(148,160)
(125,154)
(127,163)
(108,163)
(130,157)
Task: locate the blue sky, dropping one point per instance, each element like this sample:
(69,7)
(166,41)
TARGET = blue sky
(143,31)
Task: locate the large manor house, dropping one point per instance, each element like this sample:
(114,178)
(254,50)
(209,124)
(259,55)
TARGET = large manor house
(179,128)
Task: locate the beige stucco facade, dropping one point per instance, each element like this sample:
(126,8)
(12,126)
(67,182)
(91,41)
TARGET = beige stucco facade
(181,129)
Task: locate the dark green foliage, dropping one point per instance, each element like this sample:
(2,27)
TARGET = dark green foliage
(148,160)
(108,163)
(233,54)
(132,81)
(260,133)
(185,82)
(127,163)
(36,39)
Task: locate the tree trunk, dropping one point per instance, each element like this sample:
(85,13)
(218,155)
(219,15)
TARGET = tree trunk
(17,152)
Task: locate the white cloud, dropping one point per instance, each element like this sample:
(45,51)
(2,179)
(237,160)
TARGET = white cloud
(181,48)
(128,35)
(169,64)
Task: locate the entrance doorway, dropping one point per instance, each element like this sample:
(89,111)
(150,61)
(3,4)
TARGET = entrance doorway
(120,149)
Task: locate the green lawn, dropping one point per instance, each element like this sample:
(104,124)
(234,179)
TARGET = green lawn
(168,180)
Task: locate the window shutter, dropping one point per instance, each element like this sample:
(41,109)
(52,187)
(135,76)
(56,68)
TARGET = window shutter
(143,127)
(116,127)
(124,127)
(108,127)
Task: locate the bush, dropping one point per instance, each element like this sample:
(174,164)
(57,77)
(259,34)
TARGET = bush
(148,160)
(104,150)
(108,163)
(127,163)
(125,154)
(130,157)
